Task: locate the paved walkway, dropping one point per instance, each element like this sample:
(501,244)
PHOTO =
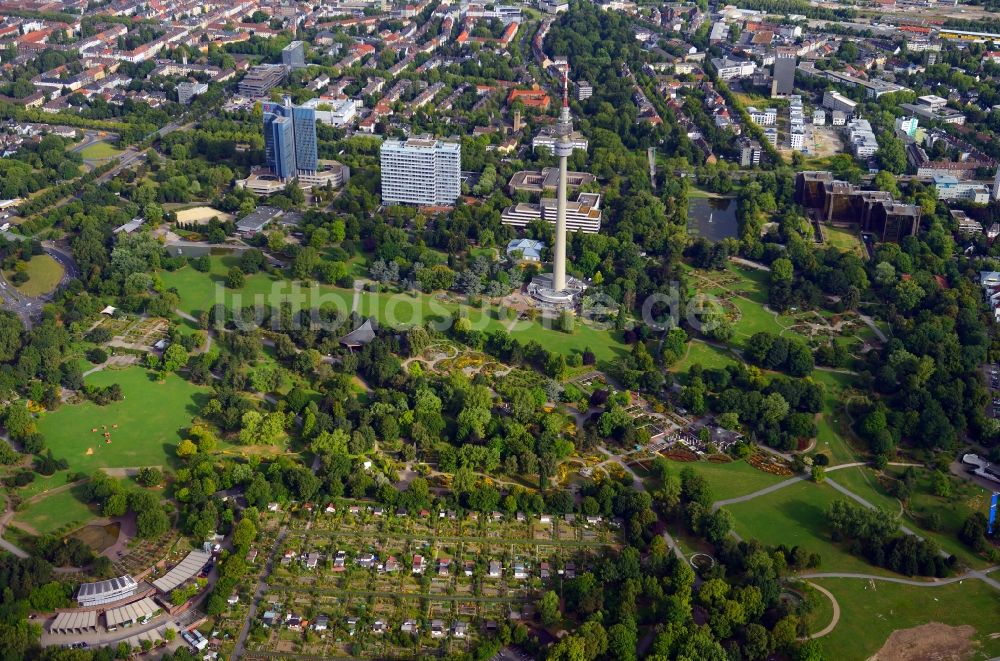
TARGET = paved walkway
(930,583)
(640,486)
(836,612)
(258,595)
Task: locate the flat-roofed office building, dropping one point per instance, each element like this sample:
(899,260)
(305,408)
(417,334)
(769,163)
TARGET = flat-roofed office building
(421,170)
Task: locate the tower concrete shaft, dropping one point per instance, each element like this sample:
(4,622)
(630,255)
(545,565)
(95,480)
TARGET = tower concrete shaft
(564,147)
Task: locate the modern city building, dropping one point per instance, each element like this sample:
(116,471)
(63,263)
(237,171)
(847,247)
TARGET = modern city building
(783,82)
(293,55)
(837,101)
(750,152)
(862,138)
(289,139)
(335,112)
(262,79)
(421,170)
(907,126)
(950,188)
(584,215)
(841,203)
(187,90)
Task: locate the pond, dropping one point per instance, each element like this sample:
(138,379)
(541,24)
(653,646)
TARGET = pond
(713,217)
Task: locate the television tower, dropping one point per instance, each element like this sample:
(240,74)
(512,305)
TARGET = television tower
(564,148)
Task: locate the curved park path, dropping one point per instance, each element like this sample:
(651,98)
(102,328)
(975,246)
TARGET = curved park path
(835,620)
(976,574)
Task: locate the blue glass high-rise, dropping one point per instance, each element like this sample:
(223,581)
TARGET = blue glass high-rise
(289,139)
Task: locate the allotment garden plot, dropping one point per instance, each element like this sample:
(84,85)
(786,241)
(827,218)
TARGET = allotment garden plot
(395,585)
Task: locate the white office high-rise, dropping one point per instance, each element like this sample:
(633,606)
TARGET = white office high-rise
(421,170)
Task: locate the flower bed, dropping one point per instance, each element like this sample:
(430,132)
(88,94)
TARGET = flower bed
(769,464)
(680,454)
(720,459)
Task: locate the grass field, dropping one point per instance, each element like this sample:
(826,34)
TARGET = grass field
(737,478)
(200,291)
(846,240)
(796,516)
(65,509)
(99,151)
(44,274)
(869,615)
(149,419)
(832,425)
(707,355)
(952,512)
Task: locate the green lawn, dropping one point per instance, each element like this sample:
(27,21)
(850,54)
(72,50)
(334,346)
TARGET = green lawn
(99,151)
(59,512)
(832,425)
(707,355)
(44,274)
(737,478)
(796,516)
(869,615)
(150,419)
(844,239)
(200,291)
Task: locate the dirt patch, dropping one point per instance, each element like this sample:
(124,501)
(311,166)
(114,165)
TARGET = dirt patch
(99,537)
(928,642)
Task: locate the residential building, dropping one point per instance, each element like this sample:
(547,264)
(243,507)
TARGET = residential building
(837,101)
(584,90)
(907,126)
(750,152)
(838,118)
(533,98)
(187,90)
(421,170)
(730,69)
(819,118)
(765,117)
(771,134)
(862,138)
(293,55)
